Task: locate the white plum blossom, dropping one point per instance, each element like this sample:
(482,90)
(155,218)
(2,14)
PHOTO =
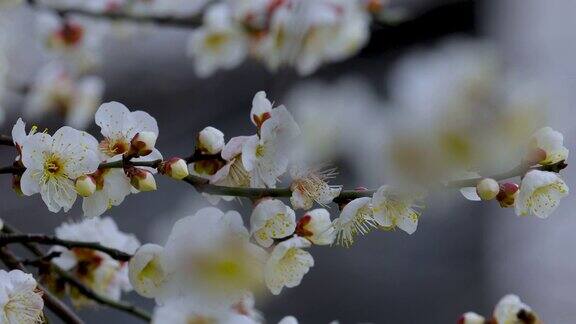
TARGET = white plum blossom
(208,255)
(219,43)
(97,270)
(20,298)
(316,227)
(119,125)
(309,185)
(392,208)
(288,320)
(191,311)
(146,270)
(306,34)
(471,318)
(551,143)
(266,156)
(287,264)
(540,193)
(271,219)
(510,310)
(53,162)
(356,218)
(73,39)
(57,89)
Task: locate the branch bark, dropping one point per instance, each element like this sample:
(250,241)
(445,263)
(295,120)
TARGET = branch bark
(51,240)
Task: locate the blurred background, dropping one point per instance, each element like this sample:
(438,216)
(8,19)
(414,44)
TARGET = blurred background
(446,69)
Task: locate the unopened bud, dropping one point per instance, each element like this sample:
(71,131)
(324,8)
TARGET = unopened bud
(175,168)
(140,179)
(210,140)
(143,143)
(507,195)
(261,109)
(85,185)
(471,318)
(487,189)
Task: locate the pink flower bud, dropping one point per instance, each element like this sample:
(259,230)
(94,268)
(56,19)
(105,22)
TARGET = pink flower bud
(507,195)
(142,143)
(140,179)
(175,168)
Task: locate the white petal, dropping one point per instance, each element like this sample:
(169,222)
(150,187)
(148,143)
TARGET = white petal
(470,193)
(112,117)
(28,185)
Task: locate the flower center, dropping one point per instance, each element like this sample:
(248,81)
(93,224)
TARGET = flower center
(215,41)
(53,166)
(114,147)
(260,150)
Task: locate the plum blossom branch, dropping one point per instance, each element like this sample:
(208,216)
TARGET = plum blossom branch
(6,140)
(51,240)
(87,292)
(53,303)
(83,289)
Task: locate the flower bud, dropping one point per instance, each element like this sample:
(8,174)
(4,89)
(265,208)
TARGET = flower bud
(175,168)
(210,140)
(507,195)
(261,109)
(487,189)
(85,185)
(145,270)
(471,318)
(142,143)
(140,179)
(316,226)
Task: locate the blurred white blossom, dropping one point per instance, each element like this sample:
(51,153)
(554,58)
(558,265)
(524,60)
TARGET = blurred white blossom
(20,298)
(97,270)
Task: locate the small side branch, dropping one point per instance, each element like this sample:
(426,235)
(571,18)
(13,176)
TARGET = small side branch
(51,240)
(6,140)
(83,289)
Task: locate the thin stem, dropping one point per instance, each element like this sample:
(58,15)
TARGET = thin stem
(83,289)
(182,22)
(87,292)
(6,140)
(51,302)
(51,240)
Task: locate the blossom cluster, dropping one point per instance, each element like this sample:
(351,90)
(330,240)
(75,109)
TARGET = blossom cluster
(66,164)
(211,265)
(97,270)
(540,191)
(297,33)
